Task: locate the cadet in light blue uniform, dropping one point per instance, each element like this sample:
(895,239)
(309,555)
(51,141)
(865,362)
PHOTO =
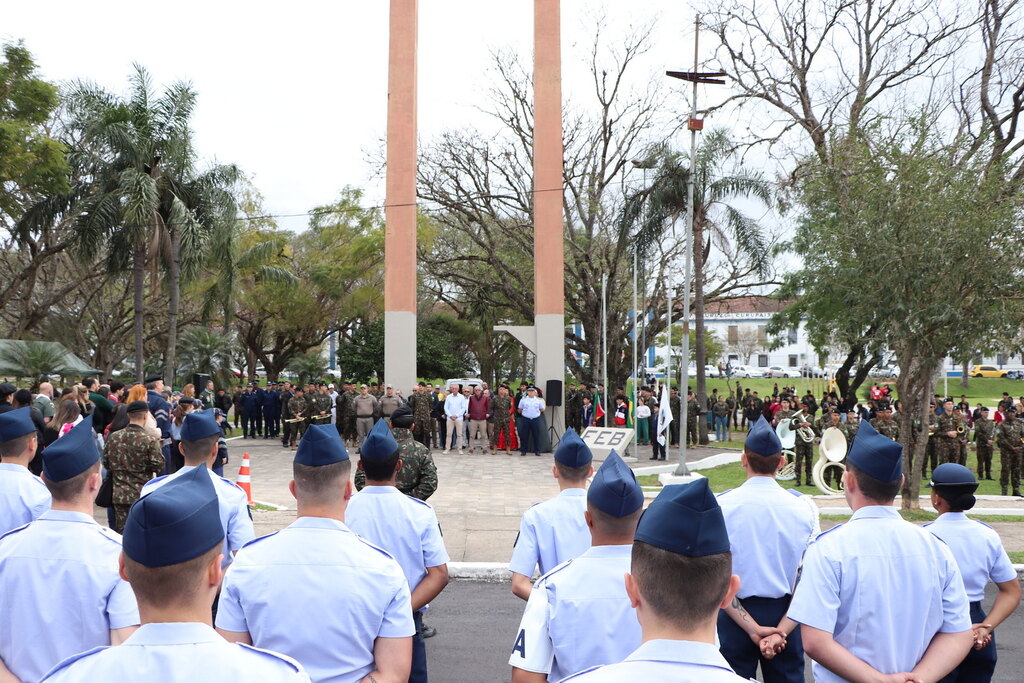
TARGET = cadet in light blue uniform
(579,615)
(315,590)
(769,529)
(23,496)
(62,593)
(879,595)
(200,436)
(980,555)
(404,526)
(555,531)
(679,578)
(172,545)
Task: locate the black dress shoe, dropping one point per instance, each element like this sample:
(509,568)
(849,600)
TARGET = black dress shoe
(653,457)
(428,631)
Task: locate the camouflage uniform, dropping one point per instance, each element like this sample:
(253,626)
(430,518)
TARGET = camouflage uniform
(887,427)
(804,450)
(132,457)
(947,448)
(350,416)
(421,403)
(961,438)
(850,430)
(418,476)
(676,404)
(692,414)
(298,407)
(931,452)
(984,437)
(501,407)
(319,406)
(1008,437)
(340,404)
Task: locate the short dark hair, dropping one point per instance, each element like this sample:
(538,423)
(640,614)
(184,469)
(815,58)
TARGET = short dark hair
(89,382)
(199,449)
(69,489)
(573,474)
(116,385)
(763,464)
(23,397)
(874,489)
(12,448)
(380,470)
(319,483)
(166,586)
(619,526)
(684,591)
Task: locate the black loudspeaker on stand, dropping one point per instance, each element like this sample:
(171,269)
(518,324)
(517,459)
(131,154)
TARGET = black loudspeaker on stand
(553,392)
(199,381)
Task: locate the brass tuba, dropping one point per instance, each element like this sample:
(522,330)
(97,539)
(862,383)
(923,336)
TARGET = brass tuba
(806,434)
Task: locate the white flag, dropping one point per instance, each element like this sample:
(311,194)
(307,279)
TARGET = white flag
(664,415)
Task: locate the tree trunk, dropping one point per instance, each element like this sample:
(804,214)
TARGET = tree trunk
(700,349)
(139,285)
(915,387)
(172,306)
(965,380)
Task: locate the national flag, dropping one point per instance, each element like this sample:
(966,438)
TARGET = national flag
(598,412)
(664,415)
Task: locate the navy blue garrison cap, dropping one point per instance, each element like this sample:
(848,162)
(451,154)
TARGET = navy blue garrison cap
(15,423)
(379,444)
(614,490)
(875,455)
(762,439)
(572,451)
(320,446)
(685,519)
(71,454)
(953,474)
(176,523)
(199,425)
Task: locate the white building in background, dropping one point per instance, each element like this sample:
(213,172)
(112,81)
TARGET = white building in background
(741,325)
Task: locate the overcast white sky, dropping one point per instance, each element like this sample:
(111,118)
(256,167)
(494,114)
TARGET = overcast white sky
(295,93)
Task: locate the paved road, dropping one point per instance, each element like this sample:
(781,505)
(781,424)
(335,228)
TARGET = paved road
(476,625)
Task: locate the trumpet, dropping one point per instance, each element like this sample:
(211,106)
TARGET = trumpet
(960,429)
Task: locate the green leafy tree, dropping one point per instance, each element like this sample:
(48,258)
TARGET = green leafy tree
(361,355)
(444,346)
(33,359)
(719,182)
(308,367)
(883,235)
(32,163)
(206,351)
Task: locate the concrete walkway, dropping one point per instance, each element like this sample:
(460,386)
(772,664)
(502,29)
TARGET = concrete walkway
(480,498)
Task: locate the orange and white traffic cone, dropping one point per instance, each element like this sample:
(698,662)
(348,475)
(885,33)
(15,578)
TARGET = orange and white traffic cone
(244,480)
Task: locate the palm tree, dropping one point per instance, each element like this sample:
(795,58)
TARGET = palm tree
(718,180)
(308,366)
(33,359)
(150,206)
(206,351)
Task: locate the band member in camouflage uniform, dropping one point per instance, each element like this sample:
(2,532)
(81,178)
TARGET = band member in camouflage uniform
(341,404)
(947,447)
(850,427)
(675,402)
(961,435)
(298,408)
(132,457)
(884,424)
(829,418)
(287,393)
(418,476)
(930,453)
(784,413)
(420,403)
(501,408)
(693,413)
(1010,439)
(804,450)
(984,439)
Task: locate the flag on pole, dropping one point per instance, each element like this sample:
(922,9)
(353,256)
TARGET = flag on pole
(598,412)
(664,415)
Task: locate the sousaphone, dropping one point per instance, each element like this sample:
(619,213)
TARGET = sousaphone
(832,453)
(788,438)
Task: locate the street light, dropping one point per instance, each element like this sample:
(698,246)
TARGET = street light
(694,124)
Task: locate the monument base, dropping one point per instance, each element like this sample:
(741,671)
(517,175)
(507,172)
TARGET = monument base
(665,478)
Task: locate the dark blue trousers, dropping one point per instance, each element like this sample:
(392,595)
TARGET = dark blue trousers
(418,673)
(529,435)
(744,655)
(979,665)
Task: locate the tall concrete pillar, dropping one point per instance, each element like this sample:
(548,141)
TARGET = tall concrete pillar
(400,214)
(548,250)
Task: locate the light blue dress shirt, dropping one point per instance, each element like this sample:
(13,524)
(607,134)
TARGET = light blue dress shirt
(61,591)
(578,616)
(406,527)
(23,496)
(978,551)
(769,528)
(317,592)
(234,509)
(883,587)
(551,533)
(178,653)
(684,661)
(531,407)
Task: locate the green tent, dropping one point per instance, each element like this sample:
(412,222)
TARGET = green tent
(34,358)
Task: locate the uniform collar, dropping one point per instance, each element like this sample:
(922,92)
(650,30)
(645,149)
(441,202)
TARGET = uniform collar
(66,516)
(953,517)
(573,492)
(760,481)
(319,523)
(381,490)
(876,512)
(12,467)
(687,651)
(173,633)
(606,551)
(402,433)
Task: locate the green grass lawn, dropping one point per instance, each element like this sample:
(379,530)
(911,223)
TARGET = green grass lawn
(1017,556)
(987,390)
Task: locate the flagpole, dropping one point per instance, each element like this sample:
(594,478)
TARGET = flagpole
(636,340)
(604,342)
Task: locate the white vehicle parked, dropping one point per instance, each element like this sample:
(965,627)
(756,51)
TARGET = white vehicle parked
(777,371)
(746,372)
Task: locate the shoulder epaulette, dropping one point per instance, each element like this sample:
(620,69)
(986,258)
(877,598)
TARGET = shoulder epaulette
(421,502)
(274,655)
(375,547)
(230,483)
(74,658)
(982,523)
(555,570)
(826,532)
(14,530)
(261,538)
(110,535)
(795,493)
